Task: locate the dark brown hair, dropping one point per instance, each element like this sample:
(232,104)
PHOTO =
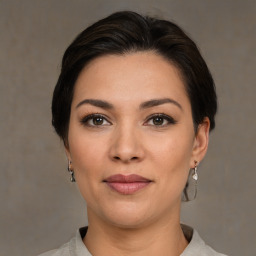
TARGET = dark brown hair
(125,32)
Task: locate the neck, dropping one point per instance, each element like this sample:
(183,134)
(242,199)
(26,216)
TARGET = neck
(163,237)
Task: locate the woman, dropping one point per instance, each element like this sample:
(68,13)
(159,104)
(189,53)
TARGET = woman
(134,105)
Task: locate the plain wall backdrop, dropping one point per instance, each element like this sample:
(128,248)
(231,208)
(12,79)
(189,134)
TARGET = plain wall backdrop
(40,208)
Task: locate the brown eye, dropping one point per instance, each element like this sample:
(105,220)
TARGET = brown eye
(98,120)
(158,120)
(95,120)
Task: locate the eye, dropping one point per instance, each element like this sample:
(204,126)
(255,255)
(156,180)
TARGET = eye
(160,120)
(95,120)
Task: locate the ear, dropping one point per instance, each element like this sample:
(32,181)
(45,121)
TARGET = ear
(67,151)
(201,141)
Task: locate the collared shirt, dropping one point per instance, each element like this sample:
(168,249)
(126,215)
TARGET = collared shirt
(76,247)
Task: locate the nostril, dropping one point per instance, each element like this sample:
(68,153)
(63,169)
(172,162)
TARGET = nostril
(128,159)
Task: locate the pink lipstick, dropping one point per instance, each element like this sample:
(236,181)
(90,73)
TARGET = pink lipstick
(127,184)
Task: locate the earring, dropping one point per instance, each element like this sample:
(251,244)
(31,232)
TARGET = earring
(72,175)
(195,175)
(190,190)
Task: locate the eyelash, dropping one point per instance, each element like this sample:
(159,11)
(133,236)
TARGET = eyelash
(165,117)
(86,119)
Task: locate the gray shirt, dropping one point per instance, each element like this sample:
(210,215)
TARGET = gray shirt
(76,247)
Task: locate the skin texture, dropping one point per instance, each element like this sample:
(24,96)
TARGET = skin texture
(128,141)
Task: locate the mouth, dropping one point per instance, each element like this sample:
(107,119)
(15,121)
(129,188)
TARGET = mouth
(127,184)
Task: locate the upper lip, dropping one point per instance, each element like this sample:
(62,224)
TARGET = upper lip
(120,178)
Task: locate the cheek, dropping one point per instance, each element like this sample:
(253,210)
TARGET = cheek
(173,150)
(171,158)
(87,154)
(83,144)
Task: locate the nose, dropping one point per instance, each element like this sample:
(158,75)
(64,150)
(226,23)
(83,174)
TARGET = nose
(126,145)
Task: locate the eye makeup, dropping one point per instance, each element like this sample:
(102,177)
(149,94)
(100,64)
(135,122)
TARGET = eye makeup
(160,120)
(157,120)
(95,120)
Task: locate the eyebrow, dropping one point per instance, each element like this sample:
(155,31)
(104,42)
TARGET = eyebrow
(157,102)
(96,103)
(147,104)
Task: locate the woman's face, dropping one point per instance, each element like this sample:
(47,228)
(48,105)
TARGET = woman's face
(131,138)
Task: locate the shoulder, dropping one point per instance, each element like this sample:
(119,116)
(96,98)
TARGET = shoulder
(197,246)
(75,247)
(62,251)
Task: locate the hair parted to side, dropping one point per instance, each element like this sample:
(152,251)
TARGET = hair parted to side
(126,32)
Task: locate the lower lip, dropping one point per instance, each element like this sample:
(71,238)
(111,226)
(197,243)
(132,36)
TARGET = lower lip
(127,188)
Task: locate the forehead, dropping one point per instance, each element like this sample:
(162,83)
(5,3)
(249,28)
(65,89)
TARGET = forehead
(130,77)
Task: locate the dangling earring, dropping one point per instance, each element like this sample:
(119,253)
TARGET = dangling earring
(195,175)
(190,190)
(72,175)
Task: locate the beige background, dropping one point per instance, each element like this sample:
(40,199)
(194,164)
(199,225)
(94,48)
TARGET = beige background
(40,208)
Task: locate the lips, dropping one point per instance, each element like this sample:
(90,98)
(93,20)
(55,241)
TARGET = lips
(127,184)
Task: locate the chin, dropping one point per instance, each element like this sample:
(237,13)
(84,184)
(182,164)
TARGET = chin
(125,214)
(128,222)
